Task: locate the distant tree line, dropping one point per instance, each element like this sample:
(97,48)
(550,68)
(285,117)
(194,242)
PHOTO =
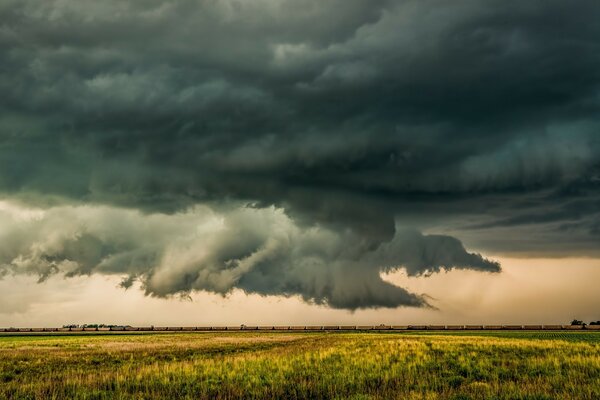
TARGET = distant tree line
(578,322)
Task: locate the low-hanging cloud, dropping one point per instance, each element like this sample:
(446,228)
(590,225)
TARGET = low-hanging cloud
(257,250)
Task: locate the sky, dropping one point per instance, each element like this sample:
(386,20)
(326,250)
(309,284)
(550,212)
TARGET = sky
(197,162)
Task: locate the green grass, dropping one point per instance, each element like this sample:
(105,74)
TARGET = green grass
(572,336)
(320,365)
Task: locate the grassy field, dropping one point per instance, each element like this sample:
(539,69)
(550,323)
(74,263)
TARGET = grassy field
(457,365)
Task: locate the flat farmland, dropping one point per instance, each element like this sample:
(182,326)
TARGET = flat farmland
(320,365)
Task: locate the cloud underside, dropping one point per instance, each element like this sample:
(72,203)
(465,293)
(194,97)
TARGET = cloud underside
(257,250)
(478,120)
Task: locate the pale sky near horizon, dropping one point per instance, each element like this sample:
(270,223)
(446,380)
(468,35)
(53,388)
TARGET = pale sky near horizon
(309,161)
(516,296)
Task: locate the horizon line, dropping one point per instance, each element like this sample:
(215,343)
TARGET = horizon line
(300,328)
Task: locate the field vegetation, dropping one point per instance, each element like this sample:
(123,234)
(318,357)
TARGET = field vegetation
(320,365)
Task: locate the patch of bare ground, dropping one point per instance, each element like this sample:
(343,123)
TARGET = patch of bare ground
(190,342)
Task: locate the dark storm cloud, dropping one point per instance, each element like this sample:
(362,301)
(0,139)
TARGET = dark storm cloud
(356,116)
(258,251)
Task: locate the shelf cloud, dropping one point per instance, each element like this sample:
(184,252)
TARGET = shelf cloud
(257,250)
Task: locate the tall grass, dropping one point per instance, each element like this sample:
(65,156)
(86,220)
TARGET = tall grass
(301,366)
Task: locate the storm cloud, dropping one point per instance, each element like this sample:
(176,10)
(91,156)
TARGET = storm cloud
(257,250)
(354,124)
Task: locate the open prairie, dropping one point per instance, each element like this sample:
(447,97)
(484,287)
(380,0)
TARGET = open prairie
(320,365)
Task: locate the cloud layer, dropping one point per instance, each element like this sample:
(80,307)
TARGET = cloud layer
(161,105)
(479,120)
(257,250)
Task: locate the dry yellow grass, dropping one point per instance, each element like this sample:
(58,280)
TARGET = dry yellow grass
(301,366)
